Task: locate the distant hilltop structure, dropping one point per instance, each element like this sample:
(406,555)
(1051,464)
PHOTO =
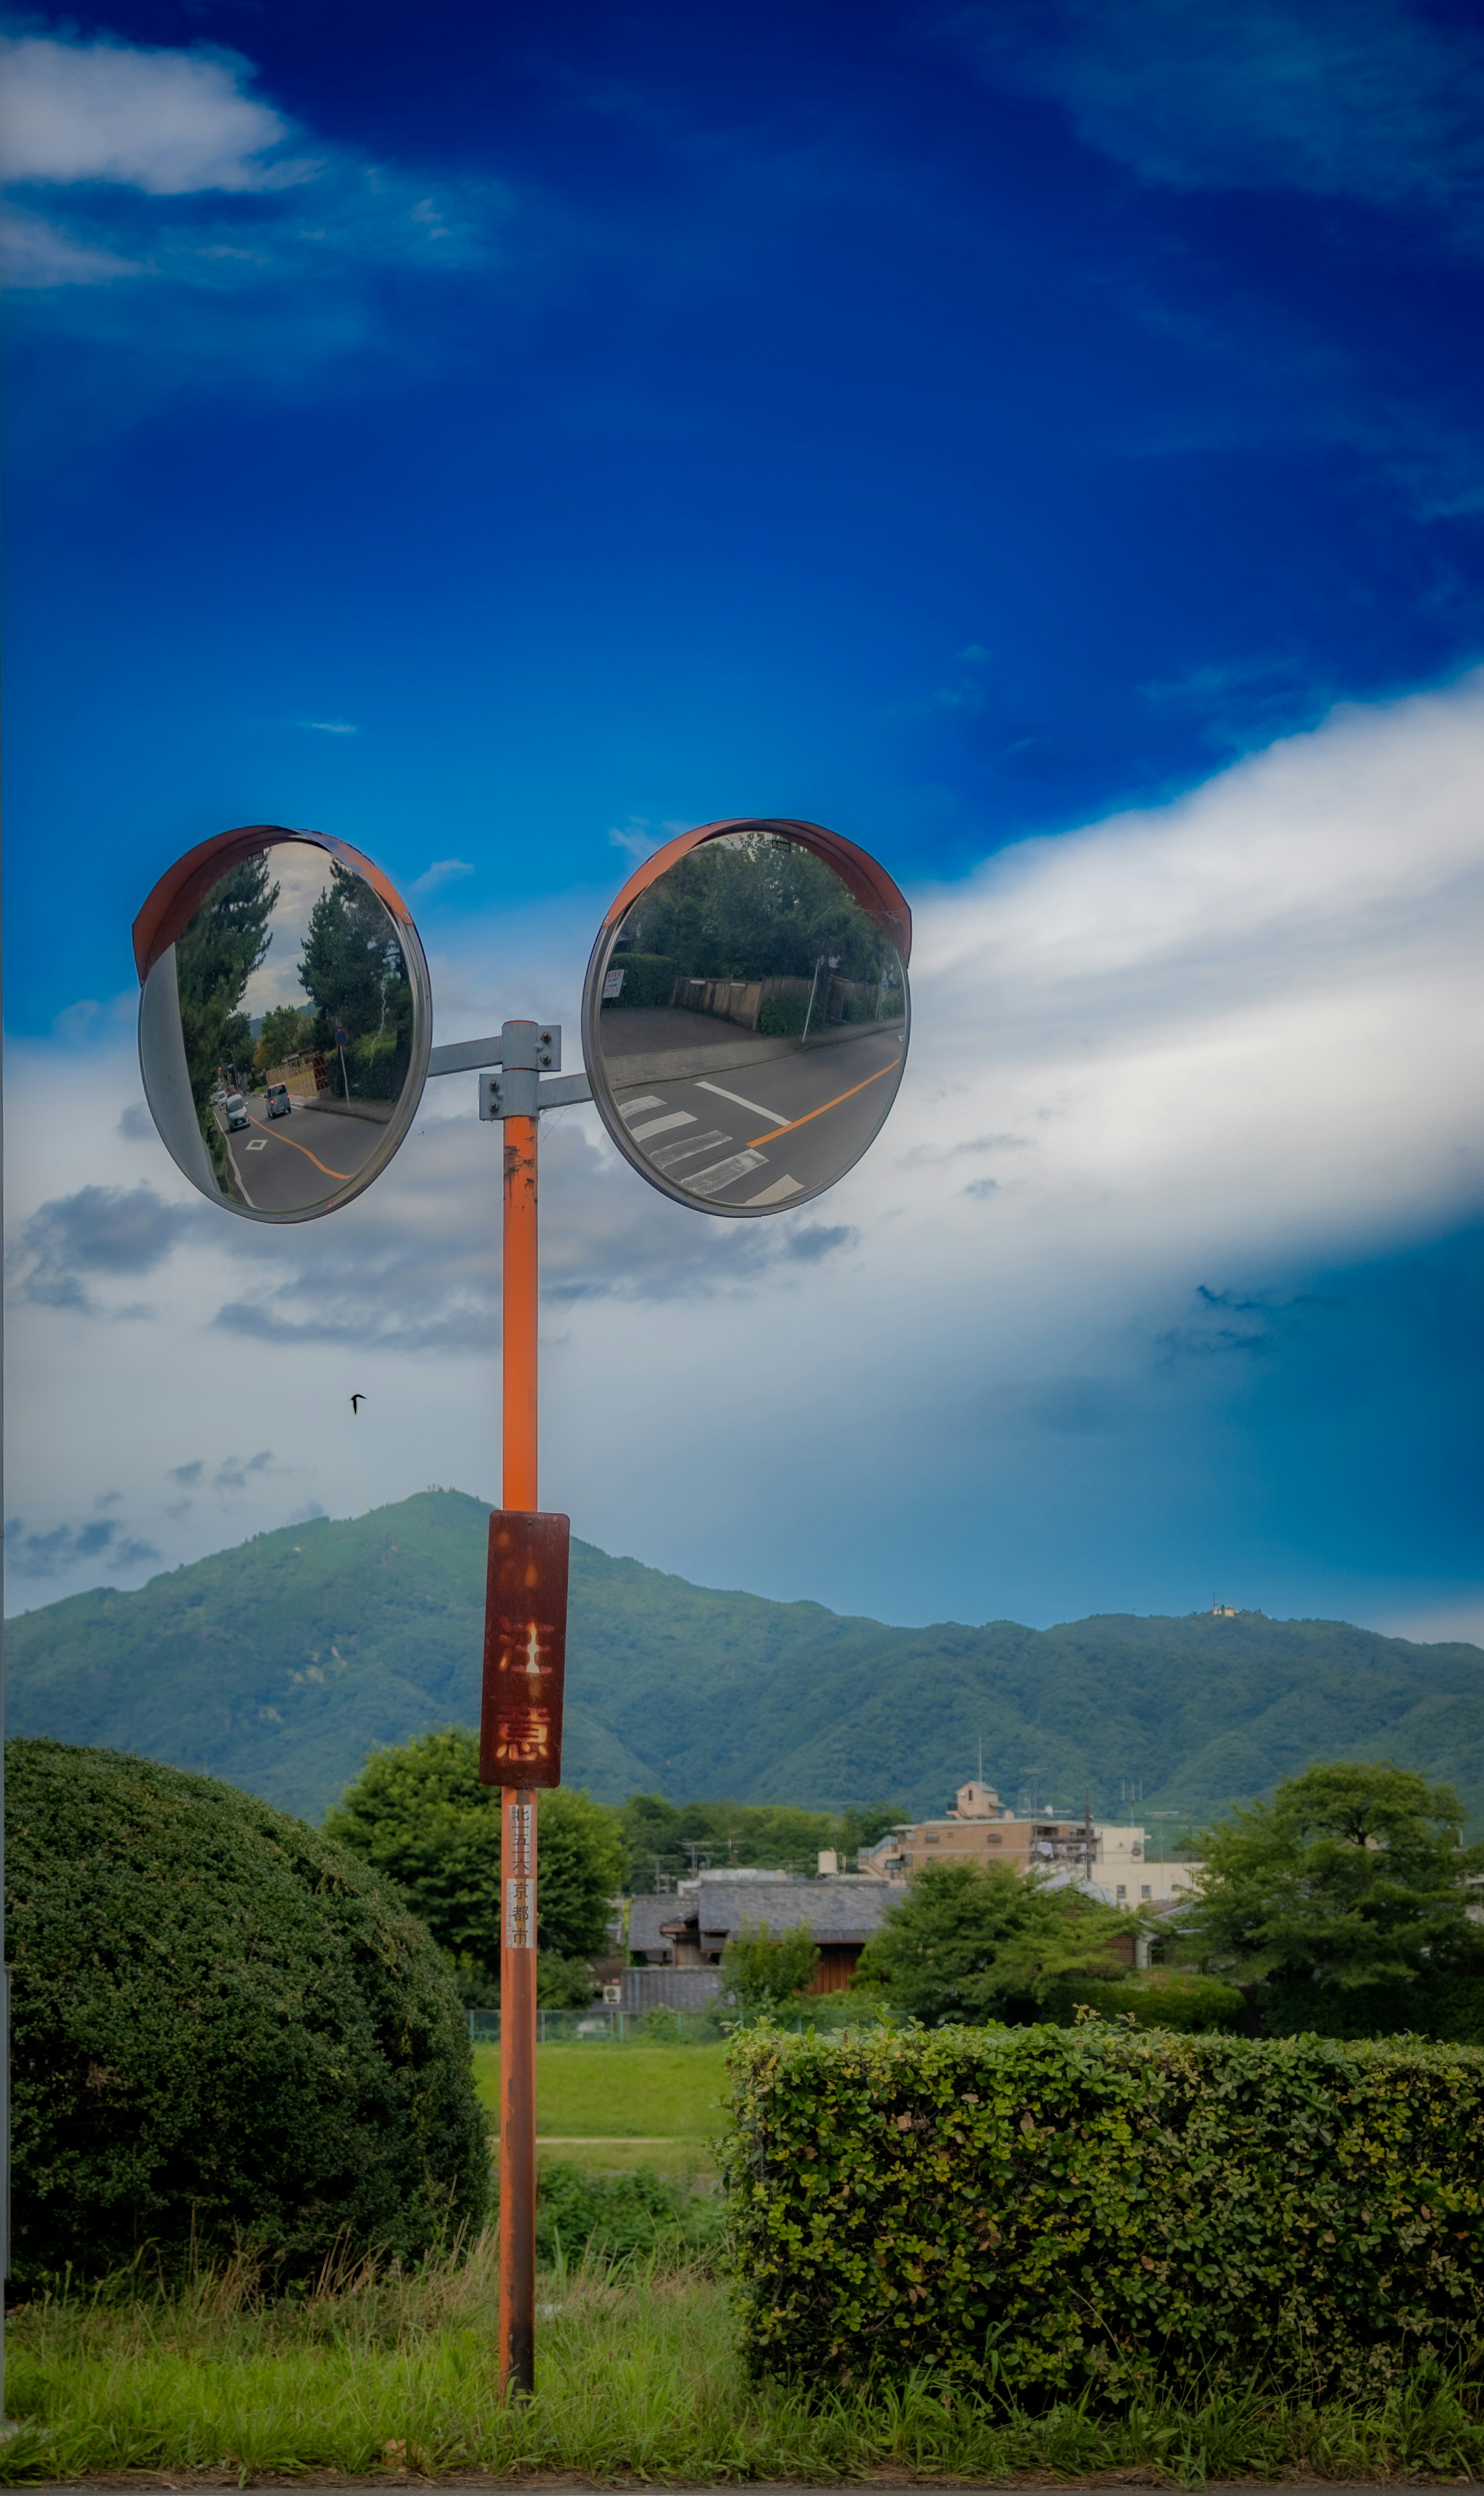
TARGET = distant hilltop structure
(1222,1611)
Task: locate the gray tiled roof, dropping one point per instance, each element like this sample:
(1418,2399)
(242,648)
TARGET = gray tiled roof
(835,1911)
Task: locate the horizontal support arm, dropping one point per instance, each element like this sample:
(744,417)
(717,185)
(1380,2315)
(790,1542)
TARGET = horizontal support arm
(462,1056)
(556,1091)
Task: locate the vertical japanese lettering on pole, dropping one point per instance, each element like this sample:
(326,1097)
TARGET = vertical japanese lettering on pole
(525,1649)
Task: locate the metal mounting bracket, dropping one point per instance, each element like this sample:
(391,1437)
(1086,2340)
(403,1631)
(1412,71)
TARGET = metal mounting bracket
(507,1095)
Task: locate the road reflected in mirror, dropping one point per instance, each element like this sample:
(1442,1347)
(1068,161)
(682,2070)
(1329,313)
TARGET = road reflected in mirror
(284,1034)
(745,1026)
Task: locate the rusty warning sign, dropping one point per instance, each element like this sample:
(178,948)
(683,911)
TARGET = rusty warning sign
(525,1649)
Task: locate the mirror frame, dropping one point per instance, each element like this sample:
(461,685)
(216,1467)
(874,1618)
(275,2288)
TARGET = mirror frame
(173,905)
(867,883)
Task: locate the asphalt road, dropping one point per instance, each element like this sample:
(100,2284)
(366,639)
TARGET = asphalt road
(761,1134)
(286,1165)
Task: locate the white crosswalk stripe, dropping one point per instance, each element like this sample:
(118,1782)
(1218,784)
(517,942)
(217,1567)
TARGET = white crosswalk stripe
(775,1194)
(631,1109)
(660,1126)
(710,1182)
(666,1156)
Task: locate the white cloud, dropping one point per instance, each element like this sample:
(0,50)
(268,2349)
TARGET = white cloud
(1216,1043)
(332,726)
(164,122)
(441,871)
(1361,99)
(35,252)
(181,175)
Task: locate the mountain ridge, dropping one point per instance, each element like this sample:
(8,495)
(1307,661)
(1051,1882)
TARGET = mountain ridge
(279,1663)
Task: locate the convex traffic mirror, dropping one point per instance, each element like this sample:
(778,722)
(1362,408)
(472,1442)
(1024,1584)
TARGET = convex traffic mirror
(285,1022)
(745,1019)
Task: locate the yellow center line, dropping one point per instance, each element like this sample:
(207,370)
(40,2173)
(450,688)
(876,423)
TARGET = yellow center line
(299,1148)
(775,1132)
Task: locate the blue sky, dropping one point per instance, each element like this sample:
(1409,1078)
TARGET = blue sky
(1041,440)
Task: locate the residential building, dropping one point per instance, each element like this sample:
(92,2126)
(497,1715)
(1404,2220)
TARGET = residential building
(1112,1858)
(690,1928)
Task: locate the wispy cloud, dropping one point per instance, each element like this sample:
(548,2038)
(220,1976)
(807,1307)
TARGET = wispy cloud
(637,838)
(61,1550)
(441,871)
(175,172)
(332,726)
(99,1232)
(1367,100)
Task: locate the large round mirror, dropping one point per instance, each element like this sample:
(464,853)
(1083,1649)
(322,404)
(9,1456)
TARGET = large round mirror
(745,1018)
(285,1022)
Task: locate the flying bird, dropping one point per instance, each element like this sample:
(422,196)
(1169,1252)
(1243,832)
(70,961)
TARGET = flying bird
(356,1402)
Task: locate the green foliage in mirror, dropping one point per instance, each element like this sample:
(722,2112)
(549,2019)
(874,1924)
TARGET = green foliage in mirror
(225,942)
(352,968)
(752,906)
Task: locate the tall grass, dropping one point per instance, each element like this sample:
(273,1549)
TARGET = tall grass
(378,2372)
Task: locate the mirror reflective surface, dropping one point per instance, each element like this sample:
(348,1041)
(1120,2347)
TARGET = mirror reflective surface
(283,1029)
(746,1015)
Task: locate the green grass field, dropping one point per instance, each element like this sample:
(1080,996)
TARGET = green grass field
(615,2094)
(639,2376)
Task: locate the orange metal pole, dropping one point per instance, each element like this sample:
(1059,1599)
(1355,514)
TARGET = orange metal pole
(518,1809)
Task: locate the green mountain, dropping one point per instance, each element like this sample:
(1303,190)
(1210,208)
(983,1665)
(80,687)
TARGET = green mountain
(279,1665)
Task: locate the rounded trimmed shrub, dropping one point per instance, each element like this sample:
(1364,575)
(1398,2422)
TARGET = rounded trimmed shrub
(225,2031)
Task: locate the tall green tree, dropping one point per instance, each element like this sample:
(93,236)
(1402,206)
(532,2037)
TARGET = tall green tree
(347,954)
(215,957)
(968,1942)
(419,1814)
(1354,1874)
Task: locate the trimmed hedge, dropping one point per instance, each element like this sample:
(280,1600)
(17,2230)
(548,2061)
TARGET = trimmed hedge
(649,979)
(1060,2211)
(1448,2009)
(783,1017)
(226,2029)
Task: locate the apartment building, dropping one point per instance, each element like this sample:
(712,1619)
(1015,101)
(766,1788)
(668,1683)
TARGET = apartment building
(1113,1858)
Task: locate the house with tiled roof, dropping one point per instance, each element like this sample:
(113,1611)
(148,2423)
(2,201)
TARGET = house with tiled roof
(687,1928)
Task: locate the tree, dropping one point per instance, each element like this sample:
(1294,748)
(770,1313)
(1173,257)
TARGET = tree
(752,907)
(1352,1875)
(762,1974)
(227,2032)
(967,1942)
(664,1836)
(215,957)
(419,1814)
(286,1029)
